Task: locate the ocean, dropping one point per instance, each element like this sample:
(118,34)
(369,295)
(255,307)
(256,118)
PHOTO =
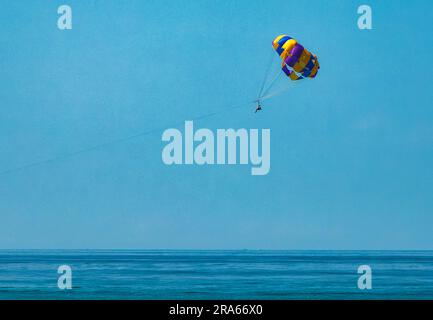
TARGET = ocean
(191,274)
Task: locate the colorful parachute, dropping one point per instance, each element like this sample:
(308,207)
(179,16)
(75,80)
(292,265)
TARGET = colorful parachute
(303,64)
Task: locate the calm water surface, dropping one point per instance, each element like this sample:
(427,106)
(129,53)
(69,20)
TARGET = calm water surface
(136,274)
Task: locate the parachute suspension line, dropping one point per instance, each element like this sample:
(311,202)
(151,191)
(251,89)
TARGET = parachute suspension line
(266,76)
(116,141)
(272,94)
(269,87)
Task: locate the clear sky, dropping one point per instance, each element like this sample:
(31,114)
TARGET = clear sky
(351,151)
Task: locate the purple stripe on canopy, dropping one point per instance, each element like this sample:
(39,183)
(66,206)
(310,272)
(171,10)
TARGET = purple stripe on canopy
(287,71)
(294,55)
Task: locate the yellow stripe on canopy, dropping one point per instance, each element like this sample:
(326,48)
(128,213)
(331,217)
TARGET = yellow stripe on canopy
(287,48)
(275,43)
(289,44)
(294,76)
(314,70)
(302,62)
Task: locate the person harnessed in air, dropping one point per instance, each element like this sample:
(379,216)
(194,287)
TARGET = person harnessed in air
(259,107)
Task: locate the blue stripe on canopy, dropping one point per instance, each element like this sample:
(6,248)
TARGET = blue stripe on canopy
(283,40)
(309,67)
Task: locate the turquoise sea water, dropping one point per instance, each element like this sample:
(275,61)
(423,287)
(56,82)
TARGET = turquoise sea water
(137,274)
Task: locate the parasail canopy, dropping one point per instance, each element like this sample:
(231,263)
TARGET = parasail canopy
(298,62)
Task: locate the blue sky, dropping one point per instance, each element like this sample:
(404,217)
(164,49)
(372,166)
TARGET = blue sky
(351,151)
